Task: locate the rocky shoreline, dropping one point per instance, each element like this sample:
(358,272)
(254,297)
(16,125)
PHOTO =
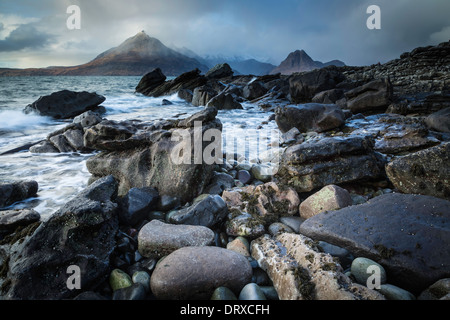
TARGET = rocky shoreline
(361,180)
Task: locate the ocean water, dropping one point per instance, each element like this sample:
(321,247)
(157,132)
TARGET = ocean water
(62,176)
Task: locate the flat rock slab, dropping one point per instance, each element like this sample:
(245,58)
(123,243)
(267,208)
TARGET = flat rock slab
(408,234)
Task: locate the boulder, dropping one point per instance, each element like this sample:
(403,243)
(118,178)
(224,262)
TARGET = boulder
(304,86)
(312,165)
(186,81)
(328,96)
(87,119)
(65,104)
(254,90)
(11,219)
(422,172)
(195,272)
(208,211)
(224,101)
(403,233)
(202,95)
(299,271)
(309,117)
(328,198)
(439,121)
(147,154)
(150,81)
(372,96)
(136,205)
(36,267)
(17,191)
(222,70)
(157,239)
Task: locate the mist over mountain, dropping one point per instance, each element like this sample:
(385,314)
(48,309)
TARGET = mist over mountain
(141,53)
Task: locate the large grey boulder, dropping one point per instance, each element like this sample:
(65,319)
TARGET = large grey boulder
(406,234)
(65,104)
(147,154)
(150,81)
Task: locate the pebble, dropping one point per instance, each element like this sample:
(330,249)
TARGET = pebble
(252,291)
(143,278)
(359,270)
(223,293)
(244,176)
(240,245)
(134,292)
(119,279)
(392,292)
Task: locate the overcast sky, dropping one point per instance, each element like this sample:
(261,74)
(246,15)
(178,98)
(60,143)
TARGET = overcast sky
(33,33)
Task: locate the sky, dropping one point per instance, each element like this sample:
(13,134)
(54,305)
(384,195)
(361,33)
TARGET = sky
(34,33)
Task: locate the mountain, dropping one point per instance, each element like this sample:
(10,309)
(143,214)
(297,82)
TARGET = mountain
(134,57)
(300,61)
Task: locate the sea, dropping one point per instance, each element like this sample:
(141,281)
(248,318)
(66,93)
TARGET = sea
(62,176)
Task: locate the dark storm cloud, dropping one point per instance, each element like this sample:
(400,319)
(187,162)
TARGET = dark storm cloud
(26,36)
(264,29)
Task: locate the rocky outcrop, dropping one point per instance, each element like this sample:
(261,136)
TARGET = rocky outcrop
(70,138)
(422,172)
(36,267)
(65,104)
(144,154)
(312,165)
(414,76)
(402,232)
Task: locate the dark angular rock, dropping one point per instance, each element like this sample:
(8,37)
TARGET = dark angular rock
(137,204)
(202,95)
(65,104)
(309,117)
(219,71)
(206,212)
(372,96)
(150,81)
(439,121)
(304,86)
(407,234)
(17,191)
(11,219)
(224,101)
